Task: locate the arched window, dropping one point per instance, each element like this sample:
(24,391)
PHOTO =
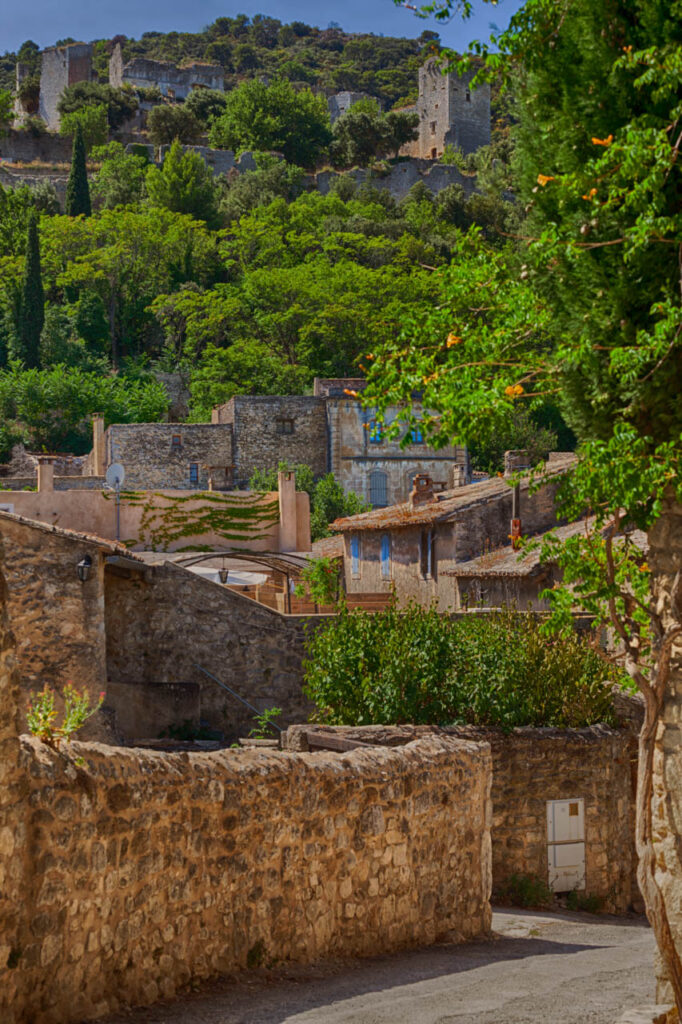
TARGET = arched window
(378,494)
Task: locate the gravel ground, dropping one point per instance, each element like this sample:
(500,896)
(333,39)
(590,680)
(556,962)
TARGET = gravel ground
(572,968)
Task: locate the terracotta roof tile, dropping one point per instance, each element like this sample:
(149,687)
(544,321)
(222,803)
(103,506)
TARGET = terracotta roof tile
(446,506)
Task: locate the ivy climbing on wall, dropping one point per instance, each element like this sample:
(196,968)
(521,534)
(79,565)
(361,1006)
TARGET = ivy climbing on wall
(168,519)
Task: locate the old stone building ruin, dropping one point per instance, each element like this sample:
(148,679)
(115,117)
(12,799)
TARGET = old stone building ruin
(341,102)
(61,66)
(451,113)
(175,83)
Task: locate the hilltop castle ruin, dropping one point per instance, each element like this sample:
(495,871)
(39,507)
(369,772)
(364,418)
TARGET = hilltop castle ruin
(451,113)
(175,83)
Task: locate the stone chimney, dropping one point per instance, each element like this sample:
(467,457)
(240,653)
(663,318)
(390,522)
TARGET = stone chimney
(516,460)
(98,467)
(286,484)
(459,475)
(45,475)
(422,492)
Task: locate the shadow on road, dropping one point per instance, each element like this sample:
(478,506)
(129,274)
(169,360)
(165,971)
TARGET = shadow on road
(278,995)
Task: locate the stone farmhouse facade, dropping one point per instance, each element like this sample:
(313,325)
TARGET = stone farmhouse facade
(416,549)
(330,431)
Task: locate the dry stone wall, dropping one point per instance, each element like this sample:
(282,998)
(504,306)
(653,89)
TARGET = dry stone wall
(530,767)
(142,872)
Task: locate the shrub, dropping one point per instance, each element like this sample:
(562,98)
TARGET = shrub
(416,665)
(320,580)
(524,891)
(586,902)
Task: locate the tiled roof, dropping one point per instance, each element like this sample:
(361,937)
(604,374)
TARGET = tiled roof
(112,547)
(508,562)
(448,504)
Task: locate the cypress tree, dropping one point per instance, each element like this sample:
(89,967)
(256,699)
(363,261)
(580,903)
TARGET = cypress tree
(32,310)
(77,189)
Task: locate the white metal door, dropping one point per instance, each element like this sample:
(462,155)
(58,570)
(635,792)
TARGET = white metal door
(566,844)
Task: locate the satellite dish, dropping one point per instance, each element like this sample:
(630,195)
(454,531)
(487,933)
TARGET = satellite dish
(115,475)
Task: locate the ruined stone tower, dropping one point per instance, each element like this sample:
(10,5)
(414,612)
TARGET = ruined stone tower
(61,66)
(450,113)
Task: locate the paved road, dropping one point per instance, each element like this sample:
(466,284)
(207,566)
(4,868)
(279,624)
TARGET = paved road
(573,968)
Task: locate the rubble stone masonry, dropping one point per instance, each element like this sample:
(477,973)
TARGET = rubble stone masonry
(134,873)
(530,767)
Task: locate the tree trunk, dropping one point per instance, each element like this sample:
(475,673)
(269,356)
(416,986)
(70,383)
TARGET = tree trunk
(13,831)
(659,784)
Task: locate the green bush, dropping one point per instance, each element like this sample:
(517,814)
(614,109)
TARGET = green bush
(585,902)
(524,891)
(416,665)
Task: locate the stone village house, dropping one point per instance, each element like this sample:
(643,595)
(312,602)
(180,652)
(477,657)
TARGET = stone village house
(329,431)
(505,577)
(416,548)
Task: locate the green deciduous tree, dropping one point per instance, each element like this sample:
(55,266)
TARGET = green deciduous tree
(166,123)
(32,309)
(30,399)
(93,124)
(77,188)
(127,257)
(364,134)
(6,108)
(596,87)
(184,184)
(121,177)
(274,117)
(206,105)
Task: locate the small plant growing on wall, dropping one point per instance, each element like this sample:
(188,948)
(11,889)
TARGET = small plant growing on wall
(265,727)
(42,715)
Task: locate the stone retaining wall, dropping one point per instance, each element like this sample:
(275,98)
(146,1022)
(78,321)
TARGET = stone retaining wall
(137,873)
(530,767)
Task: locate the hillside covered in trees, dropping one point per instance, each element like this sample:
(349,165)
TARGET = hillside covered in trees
(329,59)
(250,284)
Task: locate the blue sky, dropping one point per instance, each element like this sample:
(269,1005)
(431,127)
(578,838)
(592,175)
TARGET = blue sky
(45,21)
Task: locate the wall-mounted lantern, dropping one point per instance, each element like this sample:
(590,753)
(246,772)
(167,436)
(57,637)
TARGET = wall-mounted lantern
(223,573)
(84,567)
